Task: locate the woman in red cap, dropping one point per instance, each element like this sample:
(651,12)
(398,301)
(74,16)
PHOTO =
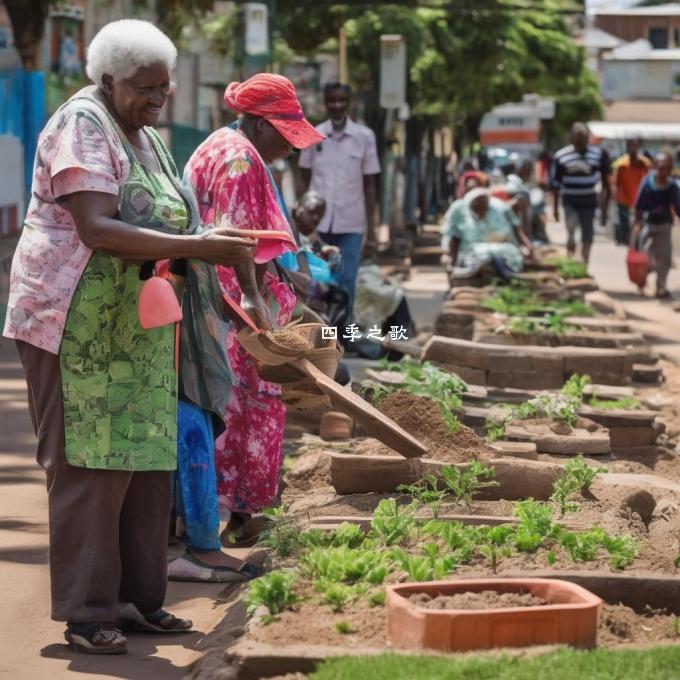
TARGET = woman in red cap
(231,181)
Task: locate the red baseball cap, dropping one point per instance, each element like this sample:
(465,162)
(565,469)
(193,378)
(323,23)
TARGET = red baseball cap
(273,98)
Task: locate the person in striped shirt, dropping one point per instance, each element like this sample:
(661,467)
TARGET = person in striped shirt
(580,172)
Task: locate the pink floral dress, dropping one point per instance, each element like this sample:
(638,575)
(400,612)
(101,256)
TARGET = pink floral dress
(231,181)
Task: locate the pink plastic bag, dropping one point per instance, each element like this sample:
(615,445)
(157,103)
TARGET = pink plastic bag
(157,304)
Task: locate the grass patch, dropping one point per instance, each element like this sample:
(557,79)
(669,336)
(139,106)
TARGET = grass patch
(661,663)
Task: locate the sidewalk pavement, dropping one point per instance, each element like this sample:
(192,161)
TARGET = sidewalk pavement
(31,645)
(656,319)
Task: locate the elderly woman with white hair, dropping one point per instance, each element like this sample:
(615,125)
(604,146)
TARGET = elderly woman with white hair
(479,231)
(106,204)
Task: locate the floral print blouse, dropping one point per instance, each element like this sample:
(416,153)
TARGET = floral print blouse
(78,150)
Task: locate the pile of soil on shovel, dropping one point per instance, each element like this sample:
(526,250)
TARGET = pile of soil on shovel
(290,338)
(485,599)
(422,418)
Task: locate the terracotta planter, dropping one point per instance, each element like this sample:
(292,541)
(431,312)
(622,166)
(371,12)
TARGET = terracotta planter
(335,426)
(570,619)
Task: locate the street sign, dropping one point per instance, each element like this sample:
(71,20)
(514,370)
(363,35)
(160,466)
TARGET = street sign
(545,106)
(257,29)
(392,71)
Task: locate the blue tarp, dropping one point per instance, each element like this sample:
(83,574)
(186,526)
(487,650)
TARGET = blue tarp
(23,111)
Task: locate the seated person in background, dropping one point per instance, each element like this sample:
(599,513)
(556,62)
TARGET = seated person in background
(380,305)
(480,231)
(313,269)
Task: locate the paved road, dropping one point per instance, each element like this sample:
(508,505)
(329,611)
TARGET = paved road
(31,645)
(656,319)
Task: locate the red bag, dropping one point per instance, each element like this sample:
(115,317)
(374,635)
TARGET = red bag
(637,262)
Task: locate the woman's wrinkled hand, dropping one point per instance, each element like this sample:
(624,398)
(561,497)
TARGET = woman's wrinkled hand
(224,246)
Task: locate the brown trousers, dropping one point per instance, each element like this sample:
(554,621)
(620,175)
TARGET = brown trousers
(108,528)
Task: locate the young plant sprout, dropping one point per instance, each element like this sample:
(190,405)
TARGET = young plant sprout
(275,591)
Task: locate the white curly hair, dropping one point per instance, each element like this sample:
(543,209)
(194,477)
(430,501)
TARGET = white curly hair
(122,47)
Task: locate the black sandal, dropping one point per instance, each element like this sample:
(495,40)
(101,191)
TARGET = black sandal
(96,638)
(159,621)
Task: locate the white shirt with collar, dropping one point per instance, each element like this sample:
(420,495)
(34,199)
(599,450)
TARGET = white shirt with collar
(338,165)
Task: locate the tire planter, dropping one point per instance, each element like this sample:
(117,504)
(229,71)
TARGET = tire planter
(571,618)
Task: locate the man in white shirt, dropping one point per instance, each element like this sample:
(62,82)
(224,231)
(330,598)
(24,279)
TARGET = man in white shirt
(342,169)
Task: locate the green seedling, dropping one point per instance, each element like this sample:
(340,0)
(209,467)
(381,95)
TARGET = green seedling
(344,628)
(676,562)
(284,535)
(558,407)
(274,590)
(337,595)
(569,268)
(551,558)
(347,534)
(582,546)
(377,599)
(535,517)
(463,484)
(494,554)
(348,565)
(575,386)
(622,550)
(425,491)
(428,567)
(392,524)
(624,404)
(578,476)
(496,429)
(459,539)
(527,541)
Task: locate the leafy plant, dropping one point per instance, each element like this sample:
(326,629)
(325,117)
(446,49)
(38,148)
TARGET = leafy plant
(425,567)
(347,534)
(344,564)
(575,386)
(582,546)
(391,523)
(624,403)
(494,554)
(569,268)
(344,627)
(550,405)
(377,598)
(425,491)
(274,590)
(463,483)
(496,429)
(337,595)
(578,476)
(284,535)
(459,539)
(622,550)
(535,517)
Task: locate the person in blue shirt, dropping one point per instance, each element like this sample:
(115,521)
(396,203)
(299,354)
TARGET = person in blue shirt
(656,206)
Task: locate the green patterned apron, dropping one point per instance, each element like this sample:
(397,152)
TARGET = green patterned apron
(119,380)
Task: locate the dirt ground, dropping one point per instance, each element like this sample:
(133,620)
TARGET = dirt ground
(619,627)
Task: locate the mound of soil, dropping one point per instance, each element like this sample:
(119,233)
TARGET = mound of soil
(485,599)
(621,625)
(311,470)
(421,417)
